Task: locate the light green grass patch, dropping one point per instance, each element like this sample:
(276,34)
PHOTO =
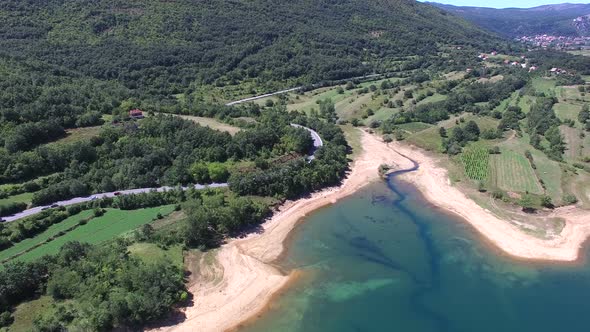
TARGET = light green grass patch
(112,224)
(433,99)
(526,102)
(353,138)
(382,114)
(151,252)
(548,171)
(48,233)
(353,106)
(80,134)
(513,172)
(566,111)
(24,198)
(211,123)
(415,127)
(577,146)
(545,85)
(26,312)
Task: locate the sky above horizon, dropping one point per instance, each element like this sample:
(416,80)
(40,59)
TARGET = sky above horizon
(504,3)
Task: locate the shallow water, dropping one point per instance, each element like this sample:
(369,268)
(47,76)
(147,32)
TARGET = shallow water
(384,260)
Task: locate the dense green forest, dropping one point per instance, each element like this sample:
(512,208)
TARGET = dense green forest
(157,49)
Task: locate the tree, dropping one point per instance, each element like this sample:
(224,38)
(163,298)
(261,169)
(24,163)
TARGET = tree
(547,202)
(457,135)
(200,173)
(471,131)
(218,172)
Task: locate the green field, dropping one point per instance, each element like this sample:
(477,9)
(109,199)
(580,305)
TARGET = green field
(428,139)
(544,85)
(112,224)
(382,114)
(547,170)
(151,252)
(566,111)
(572,94)
(577,147)
(414,127)
(51,231)
(433,99)
(511,171)
(25,198)
(475,160)
(525,103)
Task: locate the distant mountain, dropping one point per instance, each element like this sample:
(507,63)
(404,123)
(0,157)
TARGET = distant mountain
(563,19)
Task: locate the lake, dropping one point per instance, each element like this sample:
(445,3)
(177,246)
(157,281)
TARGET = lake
(385,260)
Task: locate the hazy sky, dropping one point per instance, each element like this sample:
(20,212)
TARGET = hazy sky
(505,3)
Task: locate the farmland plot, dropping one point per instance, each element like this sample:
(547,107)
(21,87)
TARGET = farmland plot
(511,171)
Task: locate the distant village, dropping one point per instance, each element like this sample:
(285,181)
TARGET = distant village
(512,61)
(556,42)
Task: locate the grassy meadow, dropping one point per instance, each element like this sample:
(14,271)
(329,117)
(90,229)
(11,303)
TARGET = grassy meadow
(113,223)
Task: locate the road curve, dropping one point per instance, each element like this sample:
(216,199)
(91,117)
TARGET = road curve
(317,140)
(317,143)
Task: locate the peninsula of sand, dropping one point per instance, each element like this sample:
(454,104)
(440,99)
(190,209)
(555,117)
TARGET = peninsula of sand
(243,278)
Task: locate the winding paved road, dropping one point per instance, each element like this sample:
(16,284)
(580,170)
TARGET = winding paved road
(317,143)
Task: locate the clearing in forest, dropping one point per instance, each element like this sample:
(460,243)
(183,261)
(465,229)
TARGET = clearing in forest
(211,123)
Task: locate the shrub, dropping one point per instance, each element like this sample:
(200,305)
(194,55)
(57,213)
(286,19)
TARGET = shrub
(6,319)
(498,194)
(569,199)
(98,212)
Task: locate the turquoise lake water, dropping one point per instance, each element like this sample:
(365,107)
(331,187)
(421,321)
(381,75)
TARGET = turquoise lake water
(384,260)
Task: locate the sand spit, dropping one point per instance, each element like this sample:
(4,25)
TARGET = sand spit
(243,279)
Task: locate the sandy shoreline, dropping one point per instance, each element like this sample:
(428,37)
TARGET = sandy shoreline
(243,279)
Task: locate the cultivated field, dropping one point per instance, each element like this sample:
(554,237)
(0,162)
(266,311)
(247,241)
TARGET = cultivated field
(112,224)
(53,230)
(475,160)
(577,147)
(511,171)
(548,171)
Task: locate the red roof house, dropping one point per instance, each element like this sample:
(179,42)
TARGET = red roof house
(136,114)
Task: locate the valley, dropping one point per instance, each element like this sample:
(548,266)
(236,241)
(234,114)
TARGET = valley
(160,161)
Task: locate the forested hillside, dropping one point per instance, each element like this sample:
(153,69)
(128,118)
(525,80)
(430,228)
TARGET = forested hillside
(158,48)
(516,22)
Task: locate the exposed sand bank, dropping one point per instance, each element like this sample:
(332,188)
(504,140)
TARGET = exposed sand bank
(243,278)
(433,182)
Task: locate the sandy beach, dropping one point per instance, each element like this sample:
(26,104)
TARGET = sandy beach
(243,279)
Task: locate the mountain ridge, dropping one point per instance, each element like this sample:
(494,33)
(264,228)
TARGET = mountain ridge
(515,22)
